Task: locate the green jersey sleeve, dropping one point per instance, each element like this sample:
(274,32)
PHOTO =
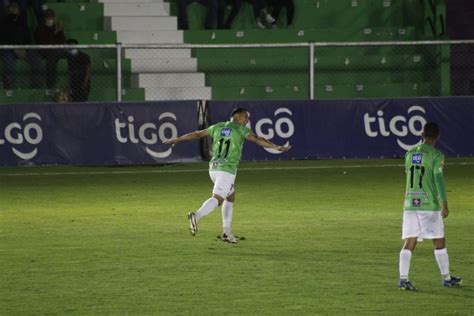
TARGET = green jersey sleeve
(438,165)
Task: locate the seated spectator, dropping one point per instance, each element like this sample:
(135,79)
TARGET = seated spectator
(13,32)
(211,18)
(50,33)
(79,70)
(262,17)
(277,5)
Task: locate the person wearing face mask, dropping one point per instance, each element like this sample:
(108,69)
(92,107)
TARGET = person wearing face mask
(79,69)
(13,32)
(50,33)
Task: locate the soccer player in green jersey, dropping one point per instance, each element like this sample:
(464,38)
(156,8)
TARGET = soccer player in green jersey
(425,206)
(227,141)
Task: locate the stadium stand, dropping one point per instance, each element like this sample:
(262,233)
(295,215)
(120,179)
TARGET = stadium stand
(251,73)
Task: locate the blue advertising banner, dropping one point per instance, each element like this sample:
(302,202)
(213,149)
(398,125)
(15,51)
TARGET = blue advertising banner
(96,133)
(132,133)
(353,128)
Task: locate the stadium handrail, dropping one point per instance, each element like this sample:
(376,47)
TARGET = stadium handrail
(310,45)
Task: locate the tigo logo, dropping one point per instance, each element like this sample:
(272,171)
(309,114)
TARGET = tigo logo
(225,132)
(147,133)
(416,159)
(18,134)
(398,125)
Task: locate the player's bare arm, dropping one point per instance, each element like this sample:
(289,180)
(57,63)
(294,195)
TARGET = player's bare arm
(186,137)
(445,210)
(266,143)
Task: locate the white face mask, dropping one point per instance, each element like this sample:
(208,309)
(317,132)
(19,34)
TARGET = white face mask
(49,22)
(73,51)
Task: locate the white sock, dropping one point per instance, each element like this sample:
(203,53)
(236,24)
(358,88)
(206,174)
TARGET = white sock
(442,259)
(207,207)
(404,264)
(227,211)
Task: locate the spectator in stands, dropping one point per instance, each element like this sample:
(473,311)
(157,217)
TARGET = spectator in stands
(3,9)
(79,69)
(13,32)
(277,5)
(211,18)
(50,33)
(37,6)
(262,17)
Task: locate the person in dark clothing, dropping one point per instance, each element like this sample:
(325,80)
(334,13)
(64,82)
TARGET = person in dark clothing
(3,9)
(37,6)
(50,33)
(262,16)
(277,5)
(79,69)
(211,17)
(13,32)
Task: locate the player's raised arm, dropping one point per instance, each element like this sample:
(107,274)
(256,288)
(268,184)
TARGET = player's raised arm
(266,143)
(186,137)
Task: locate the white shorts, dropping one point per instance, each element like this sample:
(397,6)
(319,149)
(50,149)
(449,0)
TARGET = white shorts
(223,183)
(422,224)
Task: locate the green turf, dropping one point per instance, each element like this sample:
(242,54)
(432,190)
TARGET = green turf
(318,241)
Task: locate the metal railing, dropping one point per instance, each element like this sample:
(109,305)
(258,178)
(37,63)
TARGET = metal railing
(303,70)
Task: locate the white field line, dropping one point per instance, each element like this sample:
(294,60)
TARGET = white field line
(113,172)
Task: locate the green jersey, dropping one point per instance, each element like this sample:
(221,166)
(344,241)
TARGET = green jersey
(227,141)
(424,183)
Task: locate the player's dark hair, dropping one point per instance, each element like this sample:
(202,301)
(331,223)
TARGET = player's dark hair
(237,111)
(431,130)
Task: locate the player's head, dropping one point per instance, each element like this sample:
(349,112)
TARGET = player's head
(430,131)
(240,116)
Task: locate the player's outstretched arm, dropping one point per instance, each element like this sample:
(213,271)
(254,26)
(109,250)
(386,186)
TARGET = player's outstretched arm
(266,143)
(186,137)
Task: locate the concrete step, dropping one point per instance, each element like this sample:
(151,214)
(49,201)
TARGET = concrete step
(146,23)
(151,37)
(150,53)
(169,80)
(136,9)
(204,93)
(164,65)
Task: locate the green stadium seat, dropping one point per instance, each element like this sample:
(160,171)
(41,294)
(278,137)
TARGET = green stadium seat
(269,92)
(40,95)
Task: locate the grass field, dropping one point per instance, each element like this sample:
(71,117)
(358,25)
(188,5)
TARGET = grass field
(321,237)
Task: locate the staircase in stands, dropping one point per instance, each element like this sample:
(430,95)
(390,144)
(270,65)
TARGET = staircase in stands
(165,74)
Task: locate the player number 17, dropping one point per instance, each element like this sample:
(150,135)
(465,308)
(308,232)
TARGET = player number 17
(412,172)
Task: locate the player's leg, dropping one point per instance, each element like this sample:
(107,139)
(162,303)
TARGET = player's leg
(404,263)
(208,206)
(410,233)
(223,183)
(227,212)
(442,259)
